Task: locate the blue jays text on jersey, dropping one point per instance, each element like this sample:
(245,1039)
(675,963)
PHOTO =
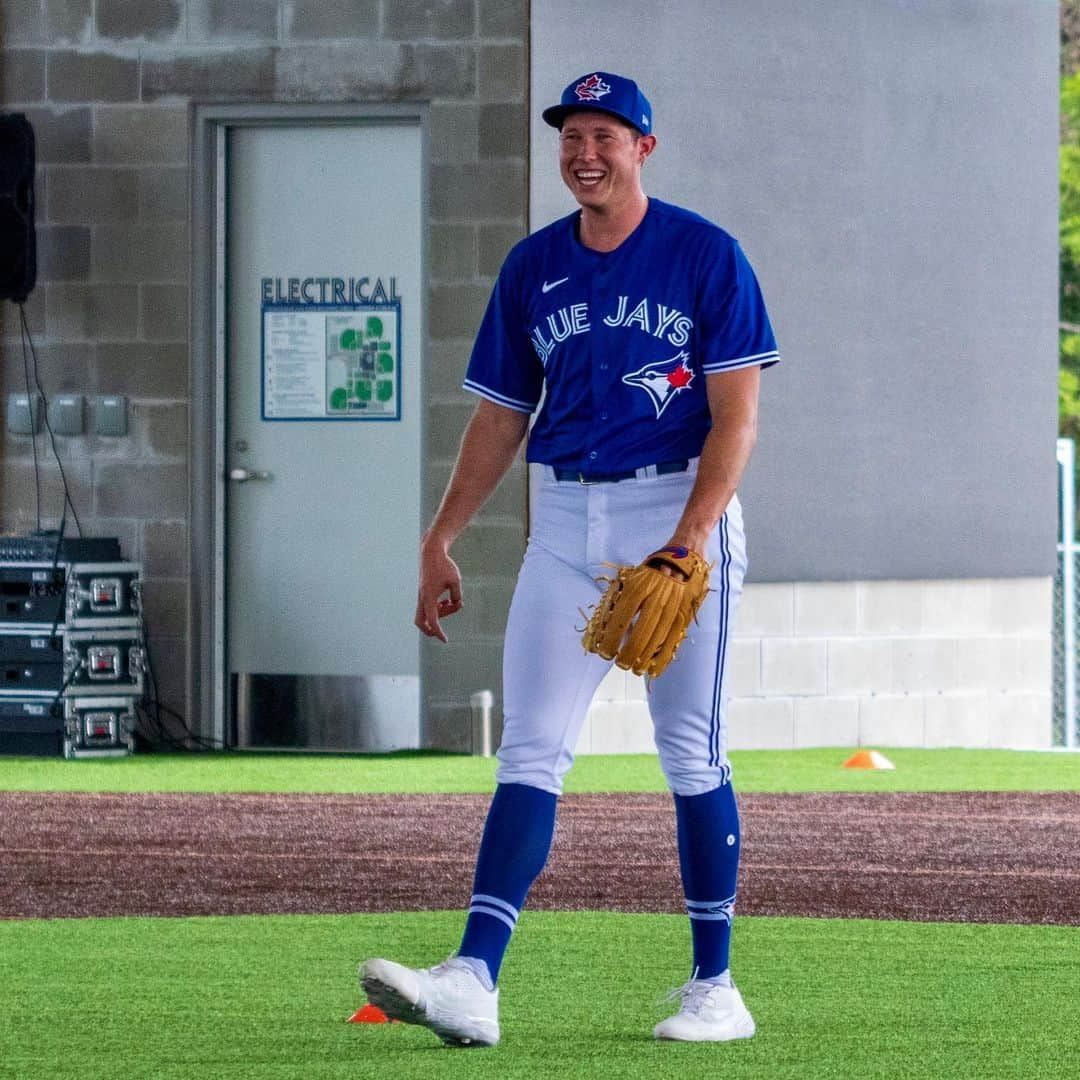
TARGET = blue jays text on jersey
(618,343)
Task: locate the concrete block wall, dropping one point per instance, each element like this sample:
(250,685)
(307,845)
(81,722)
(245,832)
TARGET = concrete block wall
(108,86)
(877,663)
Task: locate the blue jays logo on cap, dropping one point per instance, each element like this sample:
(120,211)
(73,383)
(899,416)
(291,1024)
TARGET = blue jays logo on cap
(601,91)
(662,381)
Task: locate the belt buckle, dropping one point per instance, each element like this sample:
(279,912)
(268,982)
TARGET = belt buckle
(583,482)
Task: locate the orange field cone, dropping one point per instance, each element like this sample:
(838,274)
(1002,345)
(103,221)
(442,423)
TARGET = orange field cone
(369,1014)
(868,759)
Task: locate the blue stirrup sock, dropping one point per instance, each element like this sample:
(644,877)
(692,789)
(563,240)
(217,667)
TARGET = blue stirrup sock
(708,832)
(515,846)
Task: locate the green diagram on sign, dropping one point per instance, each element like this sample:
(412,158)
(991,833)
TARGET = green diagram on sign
(362,364)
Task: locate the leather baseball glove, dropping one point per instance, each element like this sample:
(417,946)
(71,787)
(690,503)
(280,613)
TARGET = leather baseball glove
(644,615)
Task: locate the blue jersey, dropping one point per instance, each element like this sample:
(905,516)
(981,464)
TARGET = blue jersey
(618,344)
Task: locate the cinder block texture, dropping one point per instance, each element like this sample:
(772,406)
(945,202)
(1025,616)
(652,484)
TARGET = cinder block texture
(438,70)
(143,491)
(111,310)
(742,669)
(826,608)
(891,720)
(446,424)
(92,195)
(67,21)
(63,253)
(1021,606)
(155,20)
(17,487)
(452,252)
(217,76)
(61,135)
(148,135)
(495,242)
(163,194)
(766,611)
(613,686)
(1020,720)
(455,311)
(79,77)
(24,22)
(761,724)
(165,606)
(502,18)
(957,720)
(163,429)
(859,666)
(957,607)
(22,76)
(500,73)
(367,70)
(320,19)
(621,728)
(225,20)
(455,132)
(163,312)
(890,607)
(793,666)
(500,546)
(504,133)
(164,548)
(832,721)
(476,192)
(92,312)
(145,253)
(924,665)
(139,369)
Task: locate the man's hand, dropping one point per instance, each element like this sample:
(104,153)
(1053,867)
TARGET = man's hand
(439,594)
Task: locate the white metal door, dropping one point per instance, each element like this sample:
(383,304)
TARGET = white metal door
(323,288)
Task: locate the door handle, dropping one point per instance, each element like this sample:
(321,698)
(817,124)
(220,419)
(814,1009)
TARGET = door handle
(242,476)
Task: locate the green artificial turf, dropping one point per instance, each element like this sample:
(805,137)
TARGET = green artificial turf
(251,997)
(755,770)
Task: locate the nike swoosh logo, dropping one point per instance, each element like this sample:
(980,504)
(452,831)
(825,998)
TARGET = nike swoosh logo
(549,285)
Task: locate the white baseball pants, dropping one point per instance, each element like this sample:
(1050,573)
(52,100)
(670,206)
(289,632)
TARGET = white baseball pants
(548,678)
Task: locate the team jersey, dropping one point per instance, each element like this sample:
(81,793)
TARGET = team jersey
(617,344)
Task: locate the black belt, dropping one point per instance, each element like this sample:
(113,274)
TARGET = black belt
(662,469)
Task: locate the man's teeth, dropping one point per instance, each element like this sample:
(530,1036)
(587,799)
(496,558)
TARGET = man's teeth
(589,177)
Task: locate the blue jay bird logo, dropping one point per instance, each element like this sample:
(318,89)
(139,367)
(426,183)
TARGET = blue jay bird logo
(663,380)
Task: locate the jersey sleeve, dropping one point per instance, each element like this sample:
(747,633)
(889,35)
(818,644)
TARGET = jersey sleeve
(503,367)
(736,331)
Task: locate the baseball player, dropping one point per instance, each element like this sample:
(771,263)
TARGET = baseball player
(639,331)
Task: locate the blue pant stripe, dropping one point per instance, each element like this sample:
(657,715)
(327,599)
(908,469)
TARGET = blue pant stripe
(718,677)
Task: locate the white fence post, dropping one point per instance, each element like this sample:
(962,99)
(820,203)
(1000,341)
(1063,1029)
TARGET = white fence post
(1067,548)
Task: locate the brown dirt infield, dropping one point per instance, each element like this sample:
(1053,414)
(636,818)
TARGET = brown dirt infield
(978,857)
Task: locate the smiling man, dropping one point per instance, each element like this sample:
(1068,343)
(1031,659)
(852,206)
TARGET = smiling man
(641,328)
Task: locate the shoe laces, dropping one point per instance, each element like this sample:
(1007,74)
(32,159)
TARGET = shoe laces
(449,964)
(693,993)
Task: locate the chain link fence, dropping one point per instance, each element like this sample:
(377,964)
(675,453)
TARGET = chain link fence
(1066,601)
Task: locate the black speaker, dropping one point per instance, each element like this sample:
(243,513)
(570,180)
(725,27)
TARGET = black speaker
(18,244)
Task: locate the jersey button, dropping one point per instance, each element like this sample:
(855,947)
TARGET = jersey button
(592,456)
(603,367)
(603,416)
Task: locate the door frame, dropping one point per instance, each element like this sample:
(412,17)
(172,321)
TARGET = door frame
(207,677)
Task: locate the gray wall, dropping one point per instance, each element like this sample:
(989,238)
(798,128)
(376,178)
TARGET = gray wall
(108,85)
(891,169)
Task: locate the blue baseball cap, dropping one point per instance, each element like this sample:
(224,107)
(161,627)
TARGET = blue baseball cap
(601,91)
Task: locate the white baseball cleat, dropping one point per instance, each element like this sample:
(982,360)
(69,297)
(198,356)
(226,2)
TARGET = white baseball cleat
(709,1013)
(447,998)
